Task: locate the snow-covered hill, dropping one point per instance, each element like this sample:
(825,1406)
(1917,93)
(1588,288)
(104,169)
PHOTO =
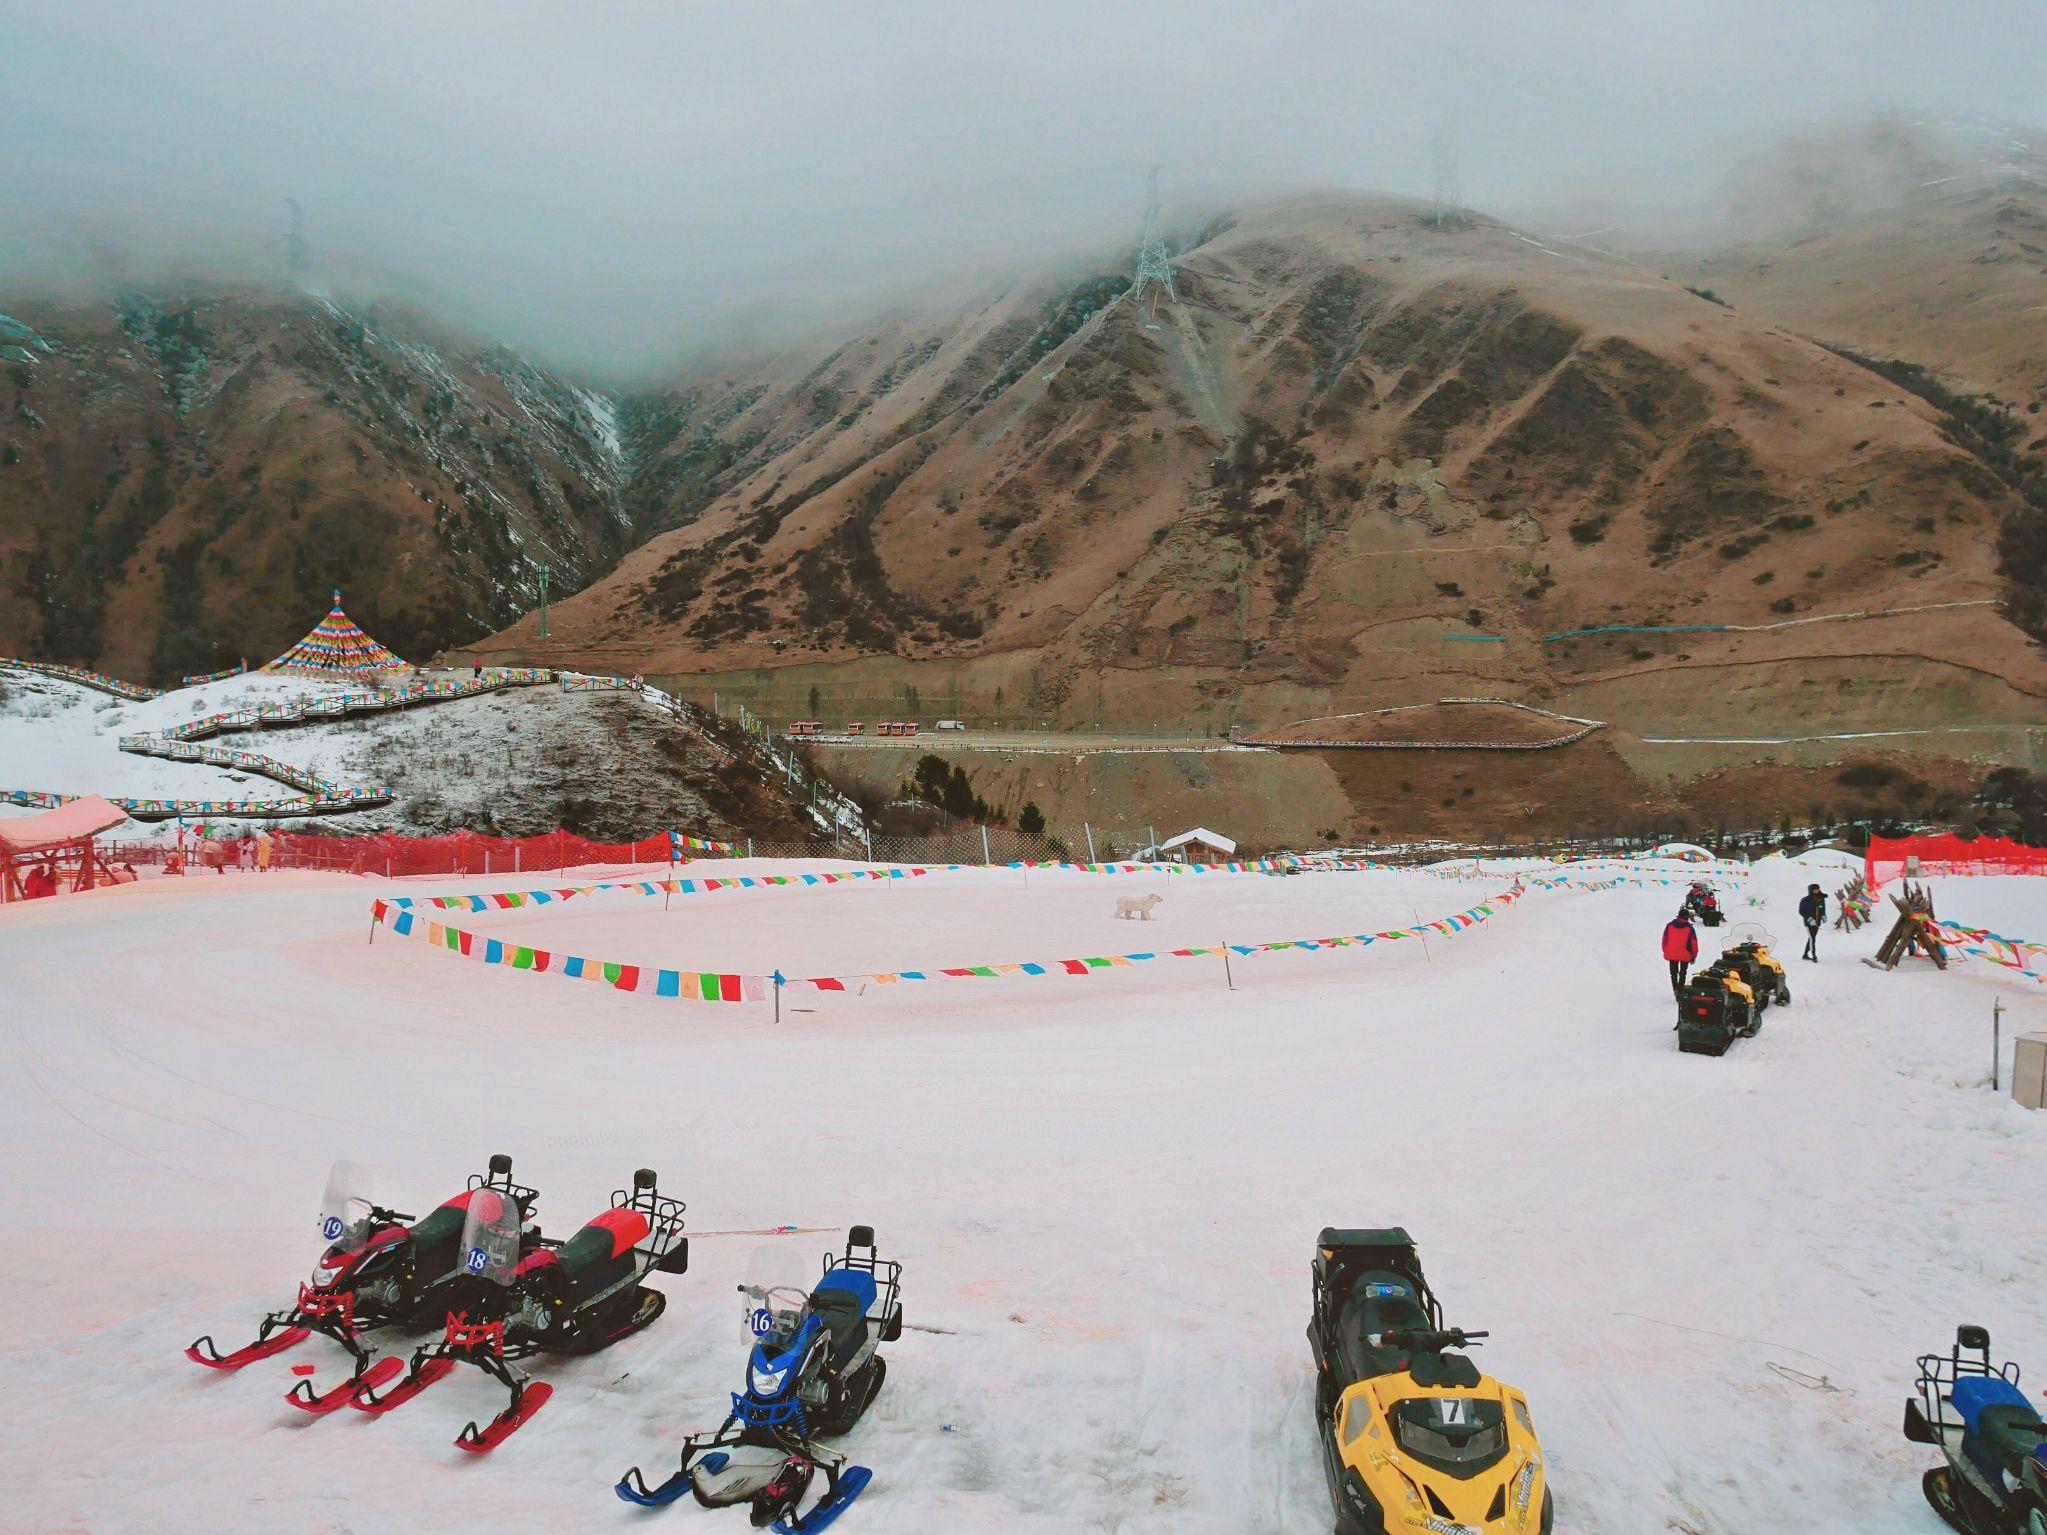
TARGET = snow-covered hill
(1710,1276)
(608,763)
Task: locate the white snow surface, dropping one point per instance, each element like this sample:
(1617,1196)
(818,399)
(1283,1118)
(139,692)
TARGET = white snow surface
(65,739)
(1104,1189)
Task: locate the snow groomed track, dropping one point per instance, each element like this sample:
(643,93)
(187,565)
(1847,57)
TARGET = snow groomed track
(1709,1275)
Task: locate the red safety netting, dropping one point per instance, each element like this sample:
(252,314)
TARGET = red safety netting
(389,856)
(1889,857)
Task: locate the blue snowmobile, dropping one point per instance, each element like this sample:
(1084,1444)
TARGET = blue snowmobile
(814,1368)
(1995,1479)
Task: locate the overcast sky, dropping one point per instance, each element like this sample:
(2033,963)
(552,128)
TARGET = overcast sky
(609,179)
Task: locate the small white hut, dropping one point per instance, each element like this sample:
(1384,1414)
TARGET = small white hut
(1197,846)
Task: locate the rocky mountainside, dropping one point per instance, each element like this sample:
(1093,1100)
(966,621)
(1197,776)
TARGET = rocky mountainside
(1364,456)
(182,478)
(1956,284)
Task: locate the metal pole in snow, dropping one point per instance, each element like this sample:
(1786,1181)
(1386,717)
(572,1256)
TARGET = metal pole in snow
(1422,933)
(1996,1041)
(778,995)
(1090,840)
(986,857)
(1231,979)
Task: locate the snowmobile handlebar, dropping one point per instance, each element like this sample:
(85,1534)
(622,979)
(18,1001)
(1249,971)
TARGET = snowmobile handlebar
(1431,1340)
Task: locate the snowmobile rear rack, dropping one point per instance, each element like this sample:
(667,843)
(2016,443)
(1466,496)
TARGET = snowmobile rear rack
(1342,1254)
(664,1221)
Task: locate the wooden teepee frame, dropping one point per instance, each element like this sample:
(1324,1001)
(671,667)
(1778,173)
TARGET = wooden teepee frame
(1913,930)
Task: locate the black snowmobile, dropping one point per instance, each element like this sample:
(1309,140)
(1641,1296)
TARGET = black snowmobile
(381,1268)
(1413,1435)
(1717,1008)
(515,1299)
(813,1369)
(1703,904)
(1995,1479)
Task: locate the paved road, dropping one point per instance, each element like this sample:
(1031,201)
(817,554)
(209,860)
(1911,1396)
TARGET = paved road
(1049,742)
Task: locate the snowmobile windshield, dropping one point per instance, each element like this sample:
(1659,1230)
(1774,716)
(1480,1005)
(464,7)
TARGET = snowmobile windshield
(345,1207)
(1749,932)
(775,1299)
(1460,1435)
(490,1236)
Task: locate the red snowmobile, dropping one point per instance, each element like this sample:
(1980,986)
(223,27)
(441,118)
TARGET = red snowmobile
(1703,904)
(515,1298)
(381,1268)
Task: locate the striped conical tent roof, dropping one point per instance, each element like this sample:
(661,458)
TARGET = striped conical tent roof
(337,647)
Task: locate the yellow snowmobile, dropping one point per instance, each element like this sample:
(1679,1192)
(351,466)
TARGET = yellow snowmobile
(1414,1437)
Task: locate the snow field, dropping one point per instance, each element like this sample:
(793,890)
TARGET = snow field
(1105,1188)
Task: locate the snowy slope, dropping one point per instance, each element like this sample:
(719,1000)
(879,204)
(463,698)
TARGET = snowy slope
(1104,1189)
(62,738)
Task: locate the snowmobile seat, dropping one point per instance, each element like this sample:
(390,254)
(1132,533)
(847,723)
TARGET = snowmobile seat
(857,1283)
(607,1237)
(443,1226)
(1380,1302)
(1996,1414)
(842,1300)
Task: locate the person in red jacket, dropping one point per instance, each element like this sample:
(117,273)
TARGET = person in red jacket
(1680,947)
(39,884)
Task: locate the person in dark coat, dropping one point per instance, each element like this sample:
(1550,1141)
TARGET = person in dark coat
(1680,947)
(1812,911)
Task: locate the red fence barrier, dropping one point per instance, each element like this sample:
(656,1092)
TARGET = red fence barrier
(1887,856)
(390,855)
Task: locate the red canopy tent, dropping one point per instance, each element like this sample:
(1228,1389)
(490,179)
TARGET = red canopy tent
(59,842)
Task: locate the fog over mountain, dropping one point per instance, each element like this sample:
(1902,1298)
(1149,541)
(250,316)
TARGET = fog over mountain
(615,182)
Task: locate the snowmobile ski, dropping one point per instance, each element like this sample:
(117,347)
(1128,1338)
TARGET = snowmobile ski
(852,1481)
(634,1489)
(531,1399)
(363,1399)
(303,1397)
(263,1348)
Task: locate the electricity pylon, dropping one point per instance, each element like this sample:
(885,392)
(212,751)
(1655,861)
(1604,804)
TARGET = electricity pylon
(1449,195)
(1154,266)
(297,255)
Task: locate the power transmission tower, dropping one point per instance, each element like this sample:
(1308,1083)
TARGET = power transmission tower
(1449,195)
(1154,266)
(297,255)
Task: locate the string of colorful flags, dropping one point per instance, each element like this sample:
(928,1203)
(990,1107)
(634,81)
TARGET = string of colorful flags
(1447,927)
(401,915)
(680,843)
(509,900)
(2016,954)
(512,900)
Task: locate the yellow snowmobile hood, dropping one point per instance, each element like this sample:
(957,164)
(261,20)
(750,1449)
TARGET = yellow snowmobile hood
(1503,1499)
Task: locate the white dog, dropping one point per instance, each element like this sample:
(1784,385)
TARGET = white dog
(1138,906)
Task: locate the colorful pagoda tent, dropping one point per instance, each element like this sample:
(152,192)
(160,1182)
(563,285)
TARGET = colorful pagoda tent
(337,648)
